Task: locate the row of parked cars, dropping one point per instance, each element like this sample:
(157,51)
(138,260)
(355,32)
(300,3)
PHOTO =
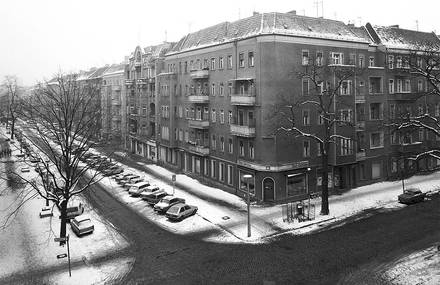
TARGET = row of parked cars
(173,207)
(102,164)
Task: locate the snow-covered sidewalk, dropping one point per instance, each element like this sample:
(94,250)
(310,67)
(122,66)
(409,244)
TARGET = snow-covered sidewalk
(229,212)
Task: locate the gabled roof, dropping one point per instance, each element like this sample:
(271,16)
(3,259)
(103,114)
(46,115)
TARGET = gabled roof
(272,23)
(396,38)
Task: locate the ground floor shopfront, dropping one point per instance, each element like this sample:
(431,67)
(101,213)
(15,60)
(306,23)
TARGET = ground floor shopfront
(145,148)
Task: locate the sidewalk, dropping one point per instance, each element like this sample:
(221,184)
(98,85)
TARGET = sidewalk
(229,212)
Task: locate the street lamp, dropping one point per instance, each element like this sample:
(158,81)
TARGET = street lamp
(246,178)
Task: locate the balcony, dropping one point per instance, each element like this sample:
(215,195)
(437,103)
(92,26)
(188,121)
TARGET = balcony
(199,149)
(360,155)
(243,131)
(198,124)
(199,74)
(198,99)
(129,82)
(243,100)
(405,96)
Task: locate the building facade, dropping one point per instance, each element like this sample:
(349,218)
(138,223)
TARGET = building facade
(216,91)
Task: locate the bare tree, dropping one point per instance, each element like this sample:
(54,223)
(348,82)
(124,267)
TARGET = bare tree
(13,91)
(328,84)
(64,117)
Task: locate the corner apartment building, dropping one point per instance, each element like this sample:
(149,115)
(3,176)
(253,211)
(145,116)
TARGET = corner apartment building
(139,99)
(218,87)
(113,80)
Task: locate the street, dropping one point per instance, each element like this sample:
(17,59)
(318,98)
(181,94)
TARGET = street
(322,258)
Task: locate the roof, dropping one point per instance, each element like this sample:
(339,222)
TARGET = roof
(272,23)
(397,38)
(114,69)
(98,72)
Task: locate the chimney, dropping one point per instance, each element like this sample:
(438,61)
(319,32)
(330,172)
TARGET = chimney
(293,12)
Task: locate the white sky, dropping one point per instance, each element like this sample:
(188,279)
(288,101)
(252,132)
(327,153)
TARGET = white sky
(41,37)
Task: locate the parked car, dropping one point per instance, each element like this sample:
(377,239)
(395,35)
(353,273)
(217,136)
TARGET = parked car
(82,225)
(153,198)
(120,177)
(180,211)
(74,210)
(25,169)
(46,212)
(166,202)
(112,170)
(411,195)
(128,179)
(136,189)
(132,182)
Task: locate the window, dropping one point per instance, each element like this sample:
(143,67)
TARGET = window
(306,148)
(230,146)
(306,117)
(376,140)
(222,143)
(319,148)
(222,117)
(399,86)
(346,87)
(230,117)
(361,61)
(221,171)
(251,59)
(375,111)
(392,111)
(229,61)
(346,115)
(241,148)
(419,62)
(230,90)
(251,150)
(375,85)
(407,86)
(371,61)
(305,57)
(305,87)
(296,184)
(319,56)
(241,60)
(346,146)
(205,113)
(352,59)
(230,178)
(394,137)
(337,58)
(220,89)
(421,135)
(213,168)
(220,62)
(420,110)
(390,61)
(213,89)
(391,86)
(186,136)
(181,135)
(420,86)
(320,119)
(213,116)
(376,170)
(213,142)
(405,138)
(399,62)
(212,63)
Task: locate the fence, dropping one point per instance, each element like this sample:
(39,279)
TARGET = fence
(299,211)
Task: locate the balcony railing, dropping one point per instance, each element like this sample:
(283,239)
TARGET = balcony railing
(242,100)
(199,74)
(129,82)
(243,131)
(198,99)
(405,96)
(199,149)
(198,124)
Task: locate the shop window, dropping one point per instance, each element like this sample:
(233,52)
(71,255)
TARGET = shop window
(296,184)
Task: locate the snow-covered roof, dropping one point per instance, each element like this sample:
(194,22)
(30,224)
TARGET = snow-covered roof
(114,69)
(272,23)
(397,38)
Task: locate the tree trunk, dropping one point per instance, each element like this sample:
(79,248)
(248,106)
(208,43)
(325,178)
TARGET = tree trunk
(63,220)
(12,129)
(324,187)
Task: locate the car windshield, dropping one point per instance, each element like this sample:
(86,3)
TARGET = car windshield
(85,223)
(174,210)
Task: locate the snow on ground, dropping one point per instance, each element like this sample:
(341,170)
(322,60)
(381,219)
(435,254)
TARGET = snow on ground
(27,244)
(422,267)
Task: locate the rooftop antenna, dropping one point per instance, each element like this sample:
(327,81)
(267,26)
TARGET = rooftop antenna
(318,3)
(417,25)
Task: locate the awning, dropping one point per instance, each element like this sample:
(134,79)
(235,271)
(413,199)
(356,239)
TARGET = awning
(295,174)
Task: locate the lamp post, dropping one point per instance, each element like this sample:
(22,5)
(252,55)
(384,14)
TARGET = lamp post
(247,177)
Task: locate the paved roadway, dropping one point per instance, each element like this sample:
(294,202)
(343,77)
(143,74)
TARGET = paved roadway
(320,258)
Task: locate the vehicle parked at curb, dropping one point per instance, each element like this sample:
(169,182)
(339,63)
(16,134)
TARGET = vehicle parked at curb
(128,179)
(112,170)
(131,182)
(411,195)
(153,198)
(166,202)
(136,189)
(82,225)
(74,210)
(46,212)
(120,177)
(180,211)
(25,169)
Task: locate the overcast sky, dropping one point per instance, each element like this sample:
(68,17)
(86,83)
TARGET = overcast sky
(41,37)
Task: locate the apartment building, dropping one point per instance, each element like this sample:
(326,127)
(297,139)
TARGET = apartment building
(216,91)
(139,99)
(113,80)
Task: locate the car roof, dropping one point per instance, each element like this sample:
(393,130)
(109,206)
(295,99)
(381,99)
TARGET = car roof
(140,183)
(81,218)
(178,205)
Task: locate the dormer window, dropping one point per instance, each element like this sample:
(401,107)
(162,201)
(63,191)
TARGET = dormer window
(371,61)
